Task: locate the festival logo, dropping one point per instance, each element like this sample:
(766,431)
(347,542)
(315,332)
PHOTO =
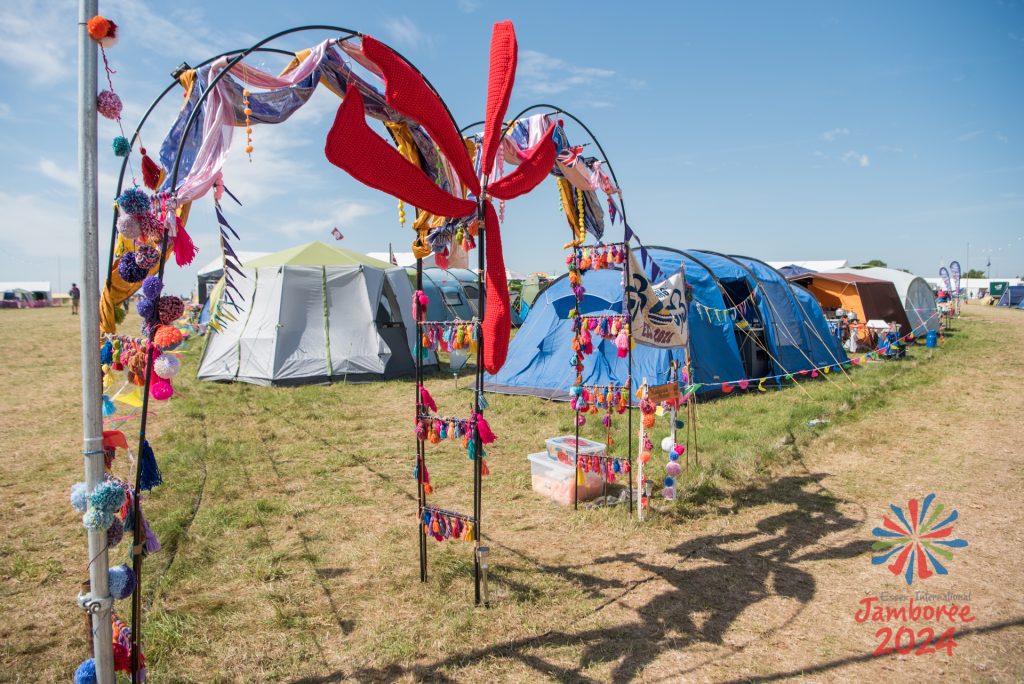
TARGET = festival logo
(914,542)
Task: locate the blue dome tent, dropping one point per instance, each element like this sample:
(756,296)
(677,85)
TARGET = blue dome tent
(781,330)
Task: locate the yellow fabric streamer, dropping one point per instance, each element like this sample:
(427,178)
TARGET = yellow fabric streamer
(565,194)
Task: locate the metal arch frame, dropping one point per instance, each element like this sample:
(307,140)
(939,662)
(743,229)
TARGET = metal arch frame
(559,110)
(139,534)
(138,130)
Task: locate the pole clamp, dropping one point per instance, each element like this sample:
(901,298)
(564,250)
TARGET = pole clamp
(95,606)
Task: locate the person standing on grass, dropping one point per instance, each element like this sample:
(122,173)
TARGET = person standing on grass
(75,294)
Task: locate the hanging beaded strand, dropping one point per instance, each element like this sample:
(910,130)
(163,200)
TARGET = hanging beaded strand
(248,120)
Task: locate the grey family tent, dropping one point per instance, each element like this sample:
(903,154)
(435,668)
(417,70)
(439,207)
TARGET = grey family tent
(451,293)
(311,314)
(735,335)
(210,274)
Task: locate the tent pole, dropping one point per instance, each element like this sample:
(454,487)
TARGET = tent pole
(97,602)
(477,445)
(629,379)
(420,448)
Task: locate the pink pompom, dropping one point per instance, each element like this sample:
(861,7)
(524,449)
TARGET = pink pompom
(108,104)
(679,449)
(161,389)
(672,468)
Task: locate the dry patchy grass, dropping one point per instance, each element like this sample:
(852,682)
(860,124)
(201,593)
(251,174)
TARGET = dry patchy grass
(288,523)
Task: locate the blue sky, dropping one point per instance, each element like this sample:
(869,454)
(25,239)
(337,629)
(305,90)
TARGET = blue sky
(792,130)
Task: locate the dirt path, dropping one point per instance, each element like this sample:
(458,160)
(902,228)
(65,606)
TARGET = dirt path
(772,595)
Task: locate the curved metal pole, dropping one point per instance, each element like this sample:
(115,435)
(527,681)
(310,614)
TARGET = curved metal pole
(560,110)
(235,60)
(135,137)
(190,122)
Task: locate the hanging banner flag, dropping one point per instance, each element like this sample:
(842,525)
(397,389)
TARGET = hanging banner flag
(954,269)
(657,312)
(944,274)
(337,234)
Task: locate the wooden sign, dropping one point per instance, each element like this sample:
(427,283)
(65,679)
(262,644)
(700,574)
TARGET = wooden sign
(660,393)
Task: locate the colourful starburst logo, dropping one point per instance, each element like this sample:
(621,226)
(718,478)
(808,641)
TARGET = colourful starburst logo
(922,535)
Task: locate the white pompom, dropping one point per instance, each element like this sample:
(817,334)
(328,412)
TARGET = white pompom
(129,227)
(166,366)
(667,444)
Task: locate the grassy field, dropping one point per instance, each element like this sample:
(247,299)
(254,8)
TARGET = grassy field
(288,523)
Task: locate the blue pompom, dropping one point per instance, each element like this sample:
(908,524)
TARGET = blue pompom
(669,481)
(129,270)
(673,456)
(134,201)
(122,148)
(146,308)
(108,496)
(95,519)
(121,581)
(108,407)
(152,287)
(79,497)
(86,672)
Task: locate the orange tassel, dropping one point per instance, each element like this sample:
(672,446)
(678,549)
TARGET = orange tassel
(427,489)
(484,470)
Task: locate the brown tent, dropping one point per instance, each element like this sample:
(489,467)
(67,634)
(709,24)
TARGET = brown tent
(869,297)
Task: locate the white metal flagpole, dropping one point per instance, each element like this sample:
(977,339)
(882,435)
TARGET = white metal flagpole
(98,601)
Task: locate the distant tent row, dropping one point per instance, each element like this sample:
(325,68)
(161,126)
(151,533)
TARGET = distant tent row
(315,313)
(779,330)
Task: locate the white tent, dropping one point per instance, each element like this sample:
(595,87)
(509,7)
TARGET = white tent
(915,293)
(314,313)
(819,266)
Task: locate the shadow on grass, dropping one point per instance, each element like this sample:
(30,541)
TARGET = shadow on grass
(736,571)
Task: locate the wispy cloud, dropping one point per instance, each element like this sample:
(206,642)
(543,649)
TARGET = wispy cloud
(1001,137)
(6,113)
(831,135)
(342,214)
(853,156)
(970,135)
(1016,36)
(542,74)
(67,175)
(895,149)
(56,221)
(404,31)
(35,44)
(468,6)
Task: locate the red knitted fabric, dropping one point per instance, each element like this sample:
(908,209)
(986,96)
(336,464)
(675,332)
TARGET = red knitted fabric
(504,54)
(409,93)
(353,147)
(497,318)
(534,168)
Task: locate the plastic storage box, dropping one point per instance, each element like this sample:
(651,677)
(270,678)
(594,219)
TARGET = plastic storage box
(564,448)
(556,480)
